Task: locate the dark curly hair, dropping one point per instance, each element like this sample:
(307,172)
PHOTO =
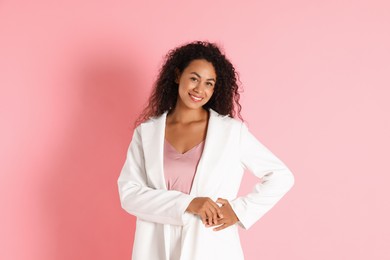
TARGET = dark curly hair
(225,98)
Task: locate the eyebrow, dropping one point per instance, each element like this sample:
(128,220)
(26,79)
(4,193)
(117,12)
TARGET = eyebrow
(201,77)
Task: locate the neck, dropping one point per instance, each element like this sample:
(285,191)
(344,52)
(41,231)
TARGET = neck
(186,115)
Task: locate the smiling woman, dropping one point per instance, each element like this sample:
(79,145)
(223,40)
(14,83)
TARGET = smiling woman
(197,81)
(185,163)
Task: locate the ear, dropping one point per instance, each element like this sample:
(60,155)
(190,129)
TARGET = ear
(177,76)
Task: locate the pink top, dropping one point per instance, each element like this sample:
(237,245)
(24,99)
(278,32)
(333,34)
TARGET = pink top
(180,169)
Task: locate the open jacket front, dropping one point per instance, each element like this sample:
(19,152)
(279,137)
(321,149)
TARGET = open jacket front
(229,149)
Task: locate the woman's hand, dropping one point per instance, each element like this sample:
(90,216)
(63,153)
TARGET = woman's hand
(229,217)
(206,209)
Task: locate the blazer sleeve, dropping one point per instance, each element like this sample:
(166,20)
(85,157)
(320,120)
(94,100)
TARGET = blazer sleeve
(275,180)
(137,198)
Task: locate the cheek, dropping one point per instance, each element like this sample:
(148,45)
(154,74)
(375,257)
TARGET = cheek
(210,92)
(182,88)
(184,85)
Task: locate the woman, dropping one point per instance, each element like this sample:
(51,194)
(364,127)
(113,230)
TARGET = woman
(186,160)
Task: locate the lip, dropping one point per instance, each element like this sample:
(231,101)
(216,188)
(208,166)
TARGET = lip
(195,98)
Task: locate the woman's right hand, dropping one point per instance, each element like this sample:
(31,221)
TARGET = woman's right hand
(206,209)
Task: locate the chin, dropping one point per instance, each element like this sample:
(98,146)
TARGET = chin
(195,107)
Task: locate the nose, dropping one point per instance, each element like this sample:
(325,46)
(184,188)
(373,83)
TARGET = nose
(199,88)
(196,89)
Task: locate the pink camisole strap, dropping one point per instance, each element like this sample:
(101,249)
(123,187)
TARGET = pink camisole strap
(180,169)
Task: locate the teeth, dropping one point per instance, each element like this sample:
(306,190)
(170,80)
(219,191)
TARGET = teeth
(196,98)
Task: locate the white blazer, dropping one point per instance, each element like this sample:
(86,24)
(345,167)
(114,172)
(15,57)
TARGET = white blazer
(229,149)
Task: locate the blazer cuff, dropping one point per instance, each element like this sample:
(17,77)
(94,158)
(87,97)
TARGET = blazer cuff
(185,217)
(240,210)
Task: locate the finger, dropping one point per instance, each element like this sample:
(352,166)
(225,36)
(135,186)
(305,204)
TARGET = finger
(218,209)
(209,215)
(203,216)
(220,222)
(214,212)
(213,218)
(222,201)
(212,225)
(223,226)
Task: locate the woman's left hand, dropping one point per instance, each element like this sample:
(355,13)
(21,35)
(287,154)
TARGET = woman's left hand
(229,217)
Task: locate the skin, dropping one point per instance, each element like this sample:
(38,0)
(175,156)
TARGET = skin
(186,126)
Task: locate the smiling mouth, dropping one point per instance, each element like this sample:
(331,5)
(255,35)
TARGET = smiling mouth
(194,98)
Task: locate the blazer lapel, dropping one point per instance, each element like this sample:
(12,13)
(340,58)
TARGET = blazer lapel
(214,144)
(153,134)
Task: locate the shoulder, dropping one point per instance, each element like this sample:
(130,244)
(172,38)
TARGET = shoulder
(226,120)
(152,121)
(148,127)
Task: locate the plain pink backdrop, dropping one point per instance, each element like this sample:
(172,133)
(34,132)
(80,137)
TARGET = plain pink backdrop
(75,74)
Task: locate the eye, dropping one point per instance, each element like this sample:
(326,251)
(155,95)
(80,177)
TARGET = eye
(210,84)
(193,79)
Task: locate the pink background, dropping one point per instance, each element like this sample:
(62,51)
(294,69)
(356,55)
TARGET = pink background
(75,74)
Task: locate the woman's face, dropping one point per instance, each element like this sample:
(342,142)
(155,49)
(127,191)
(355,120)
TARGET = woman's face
(196,84)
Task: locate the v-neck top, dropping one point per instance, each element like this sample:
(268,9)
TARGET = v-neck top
(180,169)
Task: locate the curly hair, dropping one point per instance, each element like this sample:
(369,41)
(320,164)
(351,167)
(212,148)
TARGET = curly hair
(225,99)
